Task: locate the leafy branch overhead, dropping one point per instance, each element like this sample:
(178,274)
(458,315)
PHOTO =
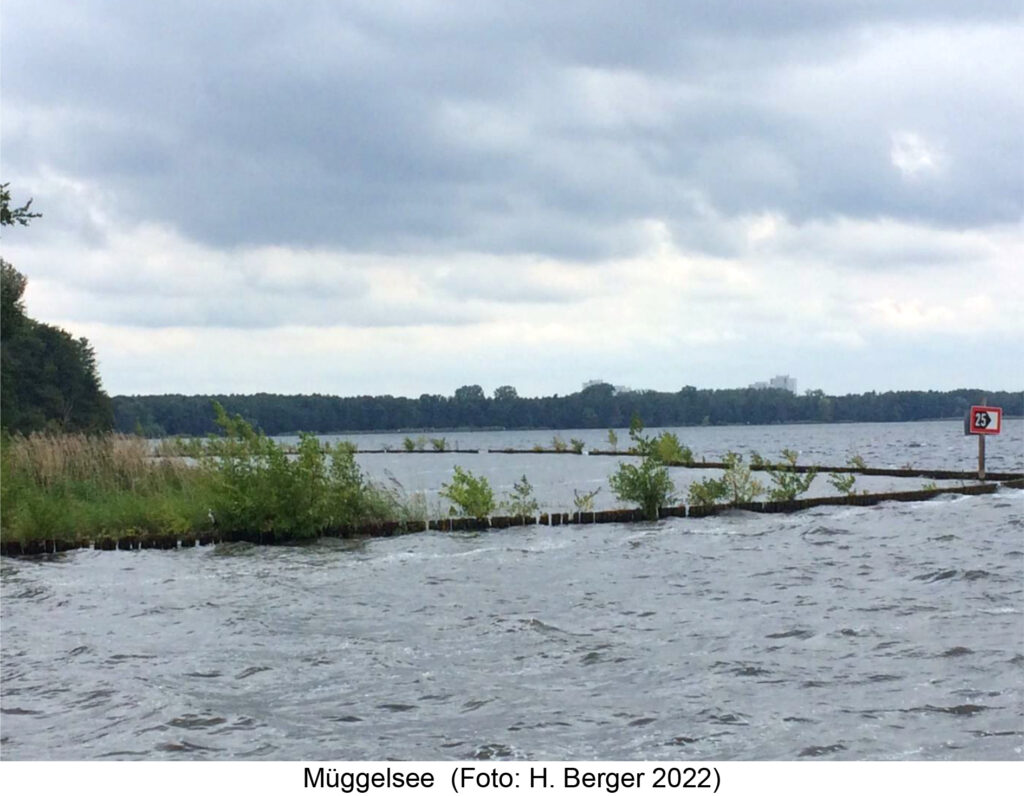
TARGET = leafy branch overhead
(9,216)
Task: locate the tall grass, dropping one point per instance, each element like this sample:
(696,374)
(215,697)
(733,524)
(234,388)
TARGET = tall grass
(77,488)
(116,460)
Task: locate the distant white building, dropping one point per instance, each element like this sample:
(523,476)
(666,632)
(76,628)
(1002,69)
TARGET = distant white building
(616,389)
(777,383)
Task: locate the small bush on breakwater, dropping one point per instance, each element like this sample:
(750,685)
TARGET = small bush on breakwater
(647,484)
(256,486)
(520,502)
(736,486)
(470,495)
(789,484)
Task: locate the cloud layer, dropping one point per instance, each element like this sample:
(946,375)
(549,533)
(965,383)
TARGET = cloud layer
(530,193)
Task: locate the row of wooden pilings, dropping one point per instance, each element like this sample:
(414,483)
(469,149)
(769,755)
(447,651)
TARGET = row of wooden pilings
(463,524)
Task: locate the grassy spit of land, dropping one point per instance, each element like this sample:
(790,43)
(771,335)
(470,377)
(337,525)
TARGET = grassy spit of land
(79,488)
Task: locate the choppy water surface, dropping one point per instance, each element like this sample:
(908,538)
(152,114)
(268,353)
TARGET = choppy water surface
(886,632)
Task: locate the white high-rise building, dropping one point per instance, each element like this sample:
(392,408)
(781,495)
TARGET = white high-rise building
(777,383)
(783,383)
(617,389)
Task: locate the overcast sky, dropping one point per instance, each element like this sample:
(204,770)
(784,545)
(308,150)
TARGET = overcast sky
(404,197)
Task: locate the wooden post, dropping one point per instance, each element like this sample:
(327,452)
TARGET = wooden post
(981,449)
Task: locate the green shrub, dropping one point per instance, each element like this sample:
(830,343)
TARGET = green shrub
(669,450)
(740,485)
(844,482)
(647,484)
(439,443)
(520,502)
(737,484)
(706,492)
(613,439)
(258,488)
(788,482)
(577,445)
(584,501)
(471,496)
(558,444)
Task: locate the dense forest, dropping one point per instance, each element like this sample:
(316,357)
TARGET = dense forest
(598,406)
(49,378)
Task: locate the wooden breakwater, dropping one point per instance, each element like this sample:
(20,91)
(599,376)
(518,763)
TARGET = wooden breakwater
(894,472)
(464,524)
(900,472)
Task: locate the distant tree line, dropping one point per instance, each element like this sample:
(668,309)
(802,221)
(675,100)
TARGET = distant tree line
(598,406)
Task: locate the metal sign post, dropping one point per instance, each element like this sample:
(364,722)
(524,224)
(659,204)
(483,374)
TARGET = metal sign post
(982,421)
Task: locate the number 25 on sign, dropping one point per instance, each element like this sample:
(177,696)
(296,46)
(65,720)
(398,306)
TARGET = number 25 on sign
(985,420)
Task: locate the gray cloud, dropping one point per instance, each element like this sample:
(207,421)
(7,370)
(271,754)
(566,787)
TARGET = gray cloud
(551,128)
(336,196)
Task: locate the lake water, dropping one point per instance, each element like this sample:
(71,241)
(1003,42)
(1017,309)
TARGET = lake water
(889,632)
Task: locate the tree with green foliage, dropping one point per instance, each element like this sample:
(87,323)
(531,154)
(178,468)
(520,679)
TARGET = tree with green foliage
(50,379)
(670,450)
(706,492)
(647,484)
(471,496)
(737,485)
(470,392)
(591,408)
(740,484)
(788,482)
(506,393)
(258,487)
(9,216)
(520,502)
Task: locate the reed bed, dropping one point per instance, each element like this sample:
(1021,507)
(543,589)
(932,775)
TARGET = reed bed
(109,459)
(78,488)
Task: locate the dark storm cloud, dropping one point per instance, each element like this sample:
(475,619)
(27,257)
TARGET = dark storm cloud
(551,128)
